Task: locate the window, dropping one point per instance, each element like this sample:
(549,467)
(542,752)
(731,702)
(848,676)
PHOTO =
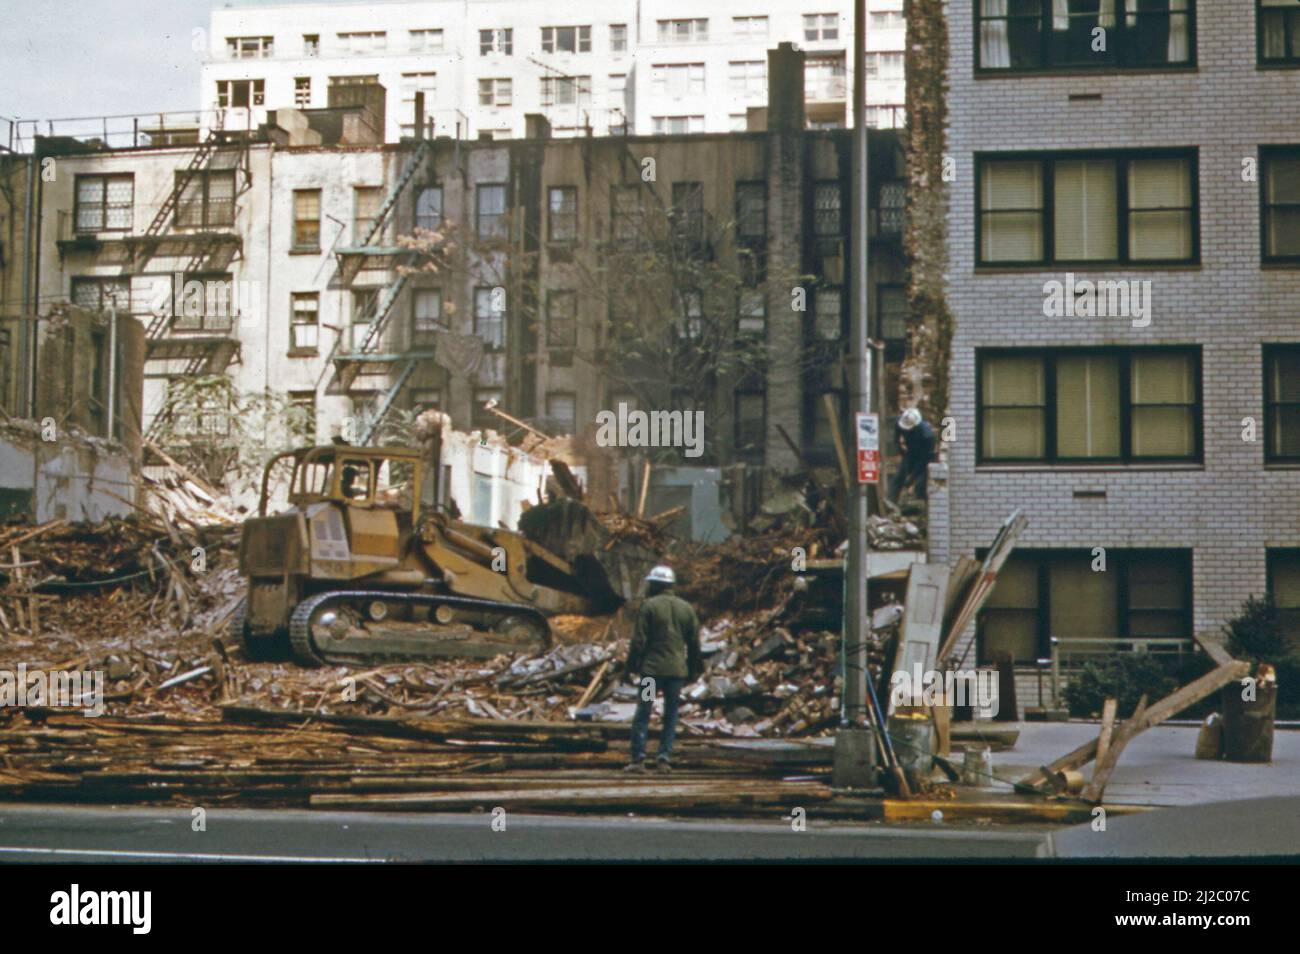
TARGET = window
(489,317)
(826,210)
(491,211)
(302,92)
(355,79)
(618,87)
(677,125)
(1279,31)
(887,20)
(362,42)
(302,405)
(1282,403)
(562,221)
(618,37)
(311,44)
(692,304)
(494,92)
(828,314)
(746,77)
(562,409)
(751,210)
(104,203)
(1280,203)
(423,399)
(428,208)
(250,47)
(566,39)
(752,313)
(824,77)
(101,294)
(683,31)
(207,200)
(688,210)
(561,319)
(821,26)
(749,28)
(240,94)
(1081,405)
(304,323)
(677,79)
(425,41)
(1141,594)
(1056,34)
(426,311)
(886,66)
(625,213)
(499,41)
(366,201)
(566,90)
(1095,207)
(306,220)
(209,305)
(751,423)
(1284,585)
(892,316)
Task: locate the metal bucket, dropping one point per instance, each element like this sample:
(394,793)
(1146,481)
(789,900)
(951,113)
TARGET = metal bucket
(913,744)
(977,767)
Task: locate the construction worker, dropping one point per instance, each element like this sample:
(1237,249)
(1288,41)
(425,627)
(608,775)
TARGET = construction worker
(917,442)
(664,655)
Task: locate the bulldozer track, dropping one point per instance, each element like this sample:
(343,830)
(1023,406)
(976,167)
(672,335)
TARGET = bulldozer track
(308,653)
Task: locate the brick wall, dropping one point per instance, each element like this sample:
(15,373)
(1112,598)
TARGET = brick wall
(1232,507)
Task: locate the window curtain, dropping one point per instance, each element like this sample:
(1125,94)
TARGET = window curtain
(995,48)
(1163,391)
(1178,39)
(1274,14)
(1160,200)
(1087,407)
(1013,416)
(1012,201)
(1086,218)
(1084,603)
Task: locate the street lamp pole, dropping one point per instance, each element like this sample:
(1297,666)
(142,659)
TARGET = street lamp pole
(855,753)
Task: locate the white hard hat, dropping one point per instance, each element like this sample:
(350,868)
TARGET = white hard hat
(662,574)
(909,419)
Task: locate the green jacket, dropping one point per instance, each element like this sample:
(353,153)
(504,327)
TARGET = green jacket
(667,639)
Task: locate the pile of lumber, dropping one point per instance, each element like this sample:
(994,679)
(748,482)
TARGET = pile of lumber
(283,758)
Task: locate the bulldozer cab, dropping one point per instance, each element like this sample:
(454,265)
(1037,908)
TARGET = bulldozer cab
(360,477)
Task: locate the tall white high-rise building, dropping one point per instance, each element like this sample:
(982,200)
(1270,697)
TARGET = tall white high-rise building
(657,66)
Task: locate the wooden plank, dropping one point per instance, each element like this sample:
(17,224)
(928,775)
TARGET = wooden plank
(1107,728)
(1106,766)
(832,415)
(1212,642)
(922,628)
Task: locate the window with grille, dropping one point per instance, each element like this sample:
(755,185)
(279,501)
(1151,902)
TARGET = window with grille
(561,319)
(428,208)
(104,203)
(828,314)
(1099,207)
(1076,405)
(101,294)
(207,199)
(625,213)
(304,328)
(826,210)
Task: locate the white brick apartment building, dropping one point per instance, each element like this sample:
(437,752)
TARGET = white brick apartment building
(662,66)
(1170,156)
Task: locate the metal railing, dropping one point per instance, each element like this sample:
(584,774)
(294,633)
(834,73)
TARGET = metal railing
(123,131)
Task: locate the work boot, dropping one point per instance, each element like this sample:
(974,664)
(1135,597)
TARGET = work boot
(638,767)
(664,765)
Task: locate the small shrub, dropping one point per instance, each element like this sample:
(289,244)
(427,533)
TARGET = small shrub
(1126,678)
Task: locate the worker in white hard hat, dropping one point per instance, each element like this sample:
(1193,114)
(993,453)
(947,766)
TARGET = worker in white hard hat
(917,443)
(663,657)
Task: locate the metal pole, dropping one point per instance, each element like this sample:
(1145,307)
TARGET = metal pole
(111,398)
(855,747)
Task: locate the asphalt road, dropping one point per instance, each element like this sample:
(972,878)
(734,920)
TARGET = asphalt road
(104,835)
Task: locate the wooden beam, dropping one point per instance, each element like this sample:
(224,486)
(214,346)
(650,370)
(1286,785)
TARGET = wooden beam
(1106,766)
(1107,728)
(828,404)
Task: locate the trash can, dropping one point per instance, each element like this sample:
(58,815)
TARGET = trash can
(1248,724)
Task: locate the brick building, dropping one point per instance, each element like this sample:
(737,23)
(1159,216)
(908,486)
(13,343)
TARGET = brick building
(1153,151)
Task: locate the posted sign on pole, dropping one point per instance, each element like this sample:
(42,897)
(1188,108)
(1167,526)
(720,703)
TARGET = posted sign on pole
(868,428)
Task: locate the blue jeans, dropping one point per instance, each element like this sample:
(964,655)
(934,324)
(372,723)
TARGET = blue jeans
(910,471)
(671,687)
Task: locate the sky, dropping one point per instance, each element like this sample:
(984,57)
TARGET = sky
(74,58)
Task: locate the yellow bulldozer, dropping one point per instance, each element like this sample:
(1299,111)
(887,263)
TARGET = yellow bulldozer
(363,567)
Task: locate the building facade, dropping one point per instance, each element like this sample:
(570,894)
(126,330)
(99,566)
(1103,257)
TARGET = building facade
(609,67)
(283,259)
(1123,251)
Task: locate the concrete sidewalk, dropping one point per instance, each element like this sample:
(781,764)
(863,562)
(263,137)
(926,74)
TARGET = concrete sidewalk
(1157,768)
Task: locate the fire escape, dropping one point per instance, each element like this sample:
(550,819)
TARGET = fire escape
(194,228)
(370,348)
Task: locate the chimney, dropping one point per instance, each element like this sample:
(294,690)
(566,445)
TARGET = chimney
(785,94)
(536,126)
